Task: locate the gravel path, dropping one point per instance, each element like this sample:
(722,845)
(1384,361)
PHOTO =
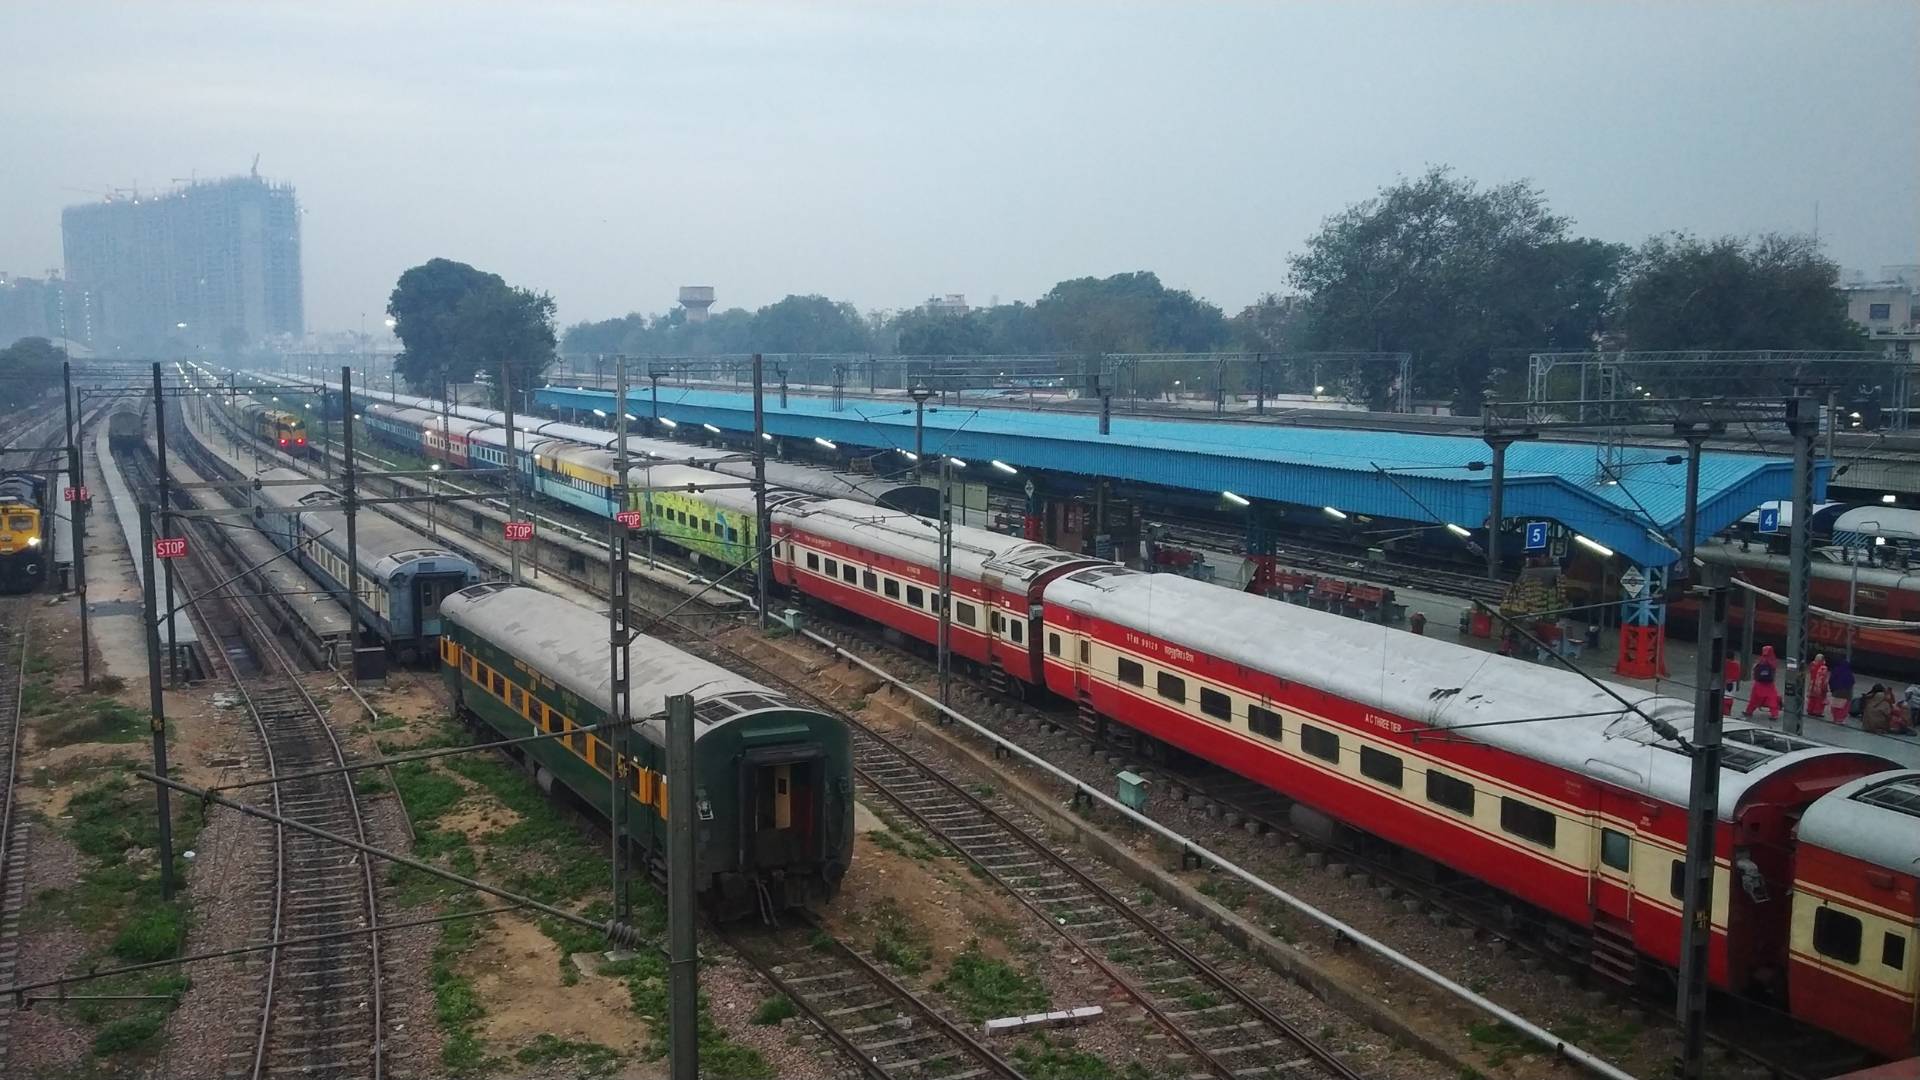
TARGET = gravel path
(44,1042)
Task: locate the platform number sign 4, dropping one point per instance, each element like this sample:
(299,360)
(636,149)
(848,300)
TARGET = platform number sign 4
(1536,536)
(75,494)
(1770,519)
(519,530)
(629,518)
(170,547)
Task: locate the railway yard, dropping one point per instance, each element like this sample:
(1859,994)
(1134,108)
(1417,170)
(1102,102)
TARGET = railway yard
(1001,912)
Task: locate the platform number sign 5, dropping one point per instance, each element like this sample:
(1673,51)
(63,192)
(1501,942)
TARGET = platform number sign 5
(170,547)
(629,518)
(519,530)
(1536,536)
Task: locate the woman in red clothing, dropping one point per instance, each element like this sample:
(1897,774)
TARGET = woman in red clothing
(1764,692)
(1817,686)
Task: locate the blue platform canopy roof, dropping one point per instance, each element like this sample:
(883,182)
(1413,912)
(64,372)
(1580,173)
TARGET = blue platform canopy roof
(1622,506)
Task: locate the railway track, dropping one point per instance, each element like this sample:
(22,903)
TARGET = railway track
(322,1013)
(864,1011)
(1224,1030)
(13,828)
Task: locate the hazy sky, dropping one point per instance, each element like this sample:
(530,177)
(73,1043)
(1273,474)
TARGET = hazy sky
(883,152)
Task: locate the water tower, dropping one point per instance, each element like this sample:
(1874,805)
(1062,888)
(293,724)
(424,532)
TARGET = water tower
(696,299)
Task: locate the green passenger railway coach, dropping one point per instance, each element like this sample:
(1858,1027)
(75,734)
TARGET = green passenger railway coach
(773,791)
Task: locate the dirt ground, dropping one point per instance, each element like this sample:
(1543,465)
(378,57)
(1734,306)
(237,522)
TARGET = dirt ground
(516,972)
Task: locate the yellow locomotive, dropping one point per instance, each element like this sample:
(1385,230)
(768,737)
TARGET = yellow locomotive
(23,549)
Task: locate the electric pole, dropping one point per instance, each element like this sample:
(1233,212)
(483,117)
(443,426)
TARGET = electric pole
(946,579)
(156,702)
(1803,425)
(762,521)
(513,471)
(619,635)
(683,971)
(1703,817)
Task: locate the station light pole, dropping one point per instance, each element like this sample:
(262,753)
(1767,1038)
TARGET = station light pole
(762,521)
(683,970)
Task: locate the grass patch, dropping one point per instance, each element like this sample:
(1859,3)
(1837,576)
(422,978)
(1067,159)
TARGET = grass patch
(773,1010)
(455,1007)
(986,988)
(1581,1030)
(898,940)
(592,1058)
(1046,1057)
(116,898)
(1501,1042)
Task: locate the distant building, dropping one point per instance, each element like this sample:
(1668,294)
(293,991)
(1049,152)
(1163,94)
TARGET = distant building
(52,308)
(952,304)
(215,264)
(1888,305)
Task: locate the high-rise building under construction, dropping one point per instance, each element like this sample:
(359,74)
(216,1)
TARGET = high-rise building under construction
(212,265)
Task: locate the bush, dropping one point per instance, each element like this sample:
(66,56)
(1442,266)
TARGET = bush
(773,1010)
(153,934)
(127,1034)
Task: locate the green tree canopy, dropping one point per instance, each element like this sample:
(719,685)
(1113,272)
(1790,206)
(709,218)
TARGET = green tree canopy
(1127,313)
(1438,267)
(456,322)
(810,324)
(29,368)
(1771,292)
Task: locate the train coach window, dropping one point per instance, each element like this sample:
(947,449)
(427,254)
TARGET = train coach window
(1320,742)
(892,589)
(1615,849)
(963,612)
(916,596)
(602,756)
(1677,880)
(849,573)
(833,568)
(813,561)
(1132,674)
(869,581)
(1836,935)
(1263,722)
(1053,644)
(1216,704)
(1893,951)
(1018,629)
(1171,686)
(1086,652)
(1527,821)
(1449,791)
(1382,766)
(733,535)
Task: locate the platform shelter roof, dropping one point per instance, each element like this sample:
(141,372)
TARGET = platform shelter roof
(1632,503)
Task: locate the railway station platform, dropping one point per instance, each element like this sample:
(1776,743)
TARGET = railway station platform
(1632,505)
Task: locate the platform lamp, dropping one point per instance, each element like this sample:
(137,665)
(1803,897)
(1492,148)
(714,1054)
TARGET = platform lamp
(920,393)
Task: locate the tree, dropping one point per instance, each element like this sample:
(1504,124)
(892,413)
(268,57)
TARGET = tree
(455,321)
(1440,268)
(810,324)
(1126,313)
(925,334)
(29,369)
(1772,292)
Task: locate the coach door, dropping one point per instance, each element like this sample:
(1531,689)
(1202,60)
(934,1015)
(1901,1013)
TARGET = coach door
(428,591)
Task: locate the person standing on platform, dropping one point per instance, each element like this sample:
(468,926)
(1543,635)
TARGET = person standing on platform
(1764,693)
(1840,685)
(1817,686)
(1730,673)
